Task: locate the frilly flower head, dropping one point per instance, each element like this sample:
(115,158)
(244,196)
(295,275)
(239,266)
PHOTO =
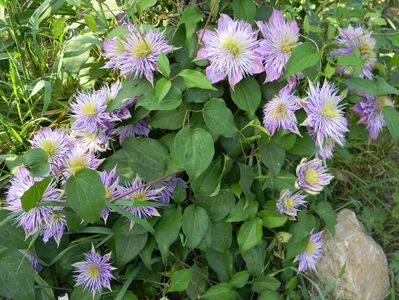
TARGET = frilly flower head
(279,40)
(314,249)
(312,176)
(230,50)
(289,203)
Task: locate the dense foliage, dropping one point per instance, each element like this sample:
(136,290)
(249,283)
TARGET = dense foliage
(162,150)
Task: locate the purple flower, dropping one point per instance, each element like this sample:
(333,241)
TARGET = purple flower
(280,112)
(370,110)
(279,40)
(288,203)
(136,52)
(89,112)
(79,159)
(325,114)
(56,143)
(168,187)
(308,258)
(95,272)
(139,191)
(312,176)
(230,50)
(140,128)
(112,189)
(32,220)
(31,256)
(92,141)
(111,92)
(326,150)
(54,226)
(352,40)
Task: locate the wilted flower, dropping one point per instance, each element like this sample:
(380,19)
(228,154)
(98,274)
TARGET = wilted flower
(31,256)
(280,112)
(140,128)
(112,189)
(325,115)
(80,159)
(95,272)
(288,203)
(32,220)
(230,50)
(370,110)
(356,39)
(312,175)
(56,143)
(279,40)
(136,52)
(139,191)
(89,112)
(314,249)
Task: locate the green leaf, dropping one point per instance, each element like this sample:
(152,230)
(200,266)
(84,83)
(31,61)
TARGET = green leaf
(350,60)
(302,57)
(142,156)
(167,229)
(240,279)
(180,280)
(79,293)
(34,194)
(221,263)
(272,156)
(195,225)
(244,9)
(270,295)
(391,117)
(208,182)
(11,236)
(219,119)
(16,276)
(163,64)
(327,214)
(220,291)
(272,219)
(86,194)
(141,5)
(194,149)
(303,146)
(377,87)
(77,51)
(195,79)
(131,87)
(162,88)
(171,119)
(170,101)
(255,259)
(265,283)
(37,161)
(247,95)
(218,206)
(243,210)
(222,235)
(191,16)
(250,234)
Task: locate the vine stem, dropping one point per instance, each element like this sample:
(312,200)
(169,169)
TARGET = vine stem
(208,19)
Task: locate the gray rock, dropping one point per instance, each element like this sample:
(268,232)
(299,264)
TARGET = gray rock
(352,261)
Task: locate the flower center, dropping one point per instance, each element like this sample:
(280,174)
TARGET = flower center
(56,216)
(366,51)
(280,112)
(76,164)
(88,109)
(107,194)
(289,203)
(287,46)
(311,176)
(329,110)
(231,46)
(141,49)
(49,147)
(310,248)
(383,101)
(93,271)
(140,197)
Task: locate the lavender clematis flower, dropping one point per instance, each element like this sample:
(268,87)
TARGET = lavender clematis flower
(140,128)
(139,191)
(370,110)
(93,141)
(56,143)
(314,249)
(312,176)
(136,52)
(95,272)
(230,50)
(325,114)
(356,39)
(112,189)
(89,112)
(55,226)
(280,112)
(279,40)
(326,150)
(79,159)
(32,220)
(288,203)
